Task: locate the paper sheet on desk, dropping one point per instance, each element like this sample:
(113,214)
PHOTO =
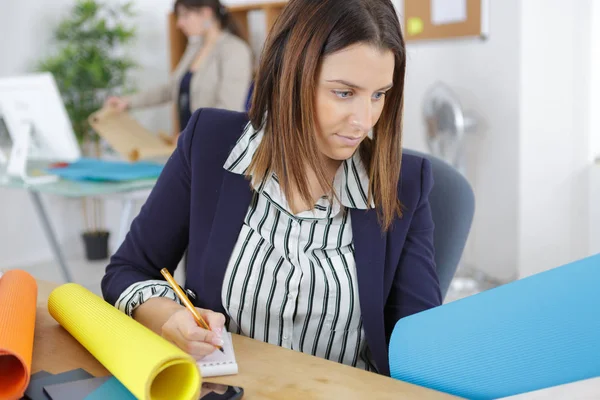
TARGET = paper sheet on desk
(217,363)
(448,11)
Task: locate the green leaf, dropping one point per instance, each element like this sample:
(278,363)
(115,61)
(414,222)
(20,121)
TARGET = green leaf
(91,59)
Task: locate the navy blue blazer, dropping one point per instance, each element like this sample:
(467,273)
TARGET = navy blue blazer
(196,202)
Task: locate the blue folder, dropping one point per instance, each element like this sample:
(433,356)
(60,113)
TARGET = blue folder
(530,334)
(111,389)
(89,169)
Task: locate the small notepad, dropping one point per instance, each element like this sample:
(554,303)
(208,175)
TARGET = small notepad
(217,363)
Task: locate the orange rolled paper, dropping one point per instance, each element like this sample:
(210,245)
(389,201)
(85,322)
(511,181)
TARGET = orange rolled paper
(18,301)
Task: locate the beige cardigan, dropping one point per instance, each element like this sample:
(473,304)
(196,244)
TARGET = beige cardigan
(221,81)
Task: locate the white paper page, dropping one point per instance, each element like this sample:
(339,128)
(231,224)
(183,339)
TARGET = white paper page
(448,11)
(218,363)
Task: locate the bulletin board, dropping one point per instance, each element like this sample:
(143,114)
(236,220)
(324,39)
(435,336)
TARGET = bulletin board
(445,19)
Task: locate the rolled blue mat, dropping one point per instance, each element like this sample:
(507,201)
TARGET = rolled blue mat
(530,334)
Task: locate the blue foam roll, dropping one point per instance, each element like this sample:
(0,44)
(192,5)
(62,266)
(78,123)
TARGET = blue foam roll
(530,334)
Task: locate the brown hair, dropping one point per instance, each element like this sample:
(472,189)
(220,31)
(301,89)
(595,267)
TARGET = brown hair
(221,13)
(283,102)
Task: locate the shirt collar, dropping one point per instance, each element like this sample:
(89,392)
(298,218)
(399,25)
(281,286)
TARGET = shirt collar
(351,181)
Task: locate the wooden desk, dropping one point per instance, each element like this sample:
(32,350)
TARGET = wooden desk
(266,371)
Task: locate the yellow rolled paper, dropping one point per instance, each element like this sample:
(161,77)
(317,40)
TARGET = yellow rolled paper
(148,365)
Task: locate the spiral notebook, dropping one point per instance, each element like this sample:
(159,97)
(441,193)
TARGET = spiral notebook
(217,363)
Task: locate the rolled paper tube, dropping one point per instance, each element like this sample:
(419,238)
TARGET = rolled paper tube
(18,302)
(149,366)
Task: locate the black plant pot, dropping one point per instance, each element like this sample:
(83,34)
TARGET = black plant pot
(96,245)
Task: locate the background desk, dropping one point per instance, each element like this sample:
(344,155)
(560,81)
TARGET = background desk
(266,371)
(128,191)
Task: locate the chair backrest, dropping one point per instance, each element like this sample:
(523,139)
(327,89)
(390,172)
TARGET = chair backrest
(452,206)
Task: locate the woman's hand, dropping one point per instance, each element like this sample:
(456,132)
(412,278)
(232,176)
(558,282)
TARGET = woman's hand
(117,103)
(181,329)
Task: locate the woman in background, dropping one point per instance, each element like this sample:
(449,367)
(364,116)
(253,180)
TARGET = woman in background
(214,72)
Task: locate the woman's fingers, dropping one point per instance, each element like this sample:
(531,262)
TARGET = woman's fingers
(215,320)
(182,330)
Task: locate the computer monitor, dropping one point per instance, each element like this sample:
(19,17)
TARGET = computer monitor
(31,104)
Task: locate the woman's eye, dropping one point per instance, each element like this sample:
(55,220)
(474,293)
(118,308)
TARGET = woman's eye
(378,96)
(343,94)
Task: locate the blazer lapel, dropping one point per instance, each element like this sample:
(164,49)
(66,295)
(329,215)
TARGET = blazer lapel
(369,253)
(233,203)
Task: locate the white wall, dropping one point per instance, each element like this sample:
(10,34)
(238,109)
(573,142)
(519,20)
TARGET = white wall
(595,129)
(485,75)
(529,83)
(594,229)
(595,80)
(555,133)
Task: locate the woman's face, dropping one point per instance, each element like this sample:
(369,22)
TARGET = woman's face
(193,21)
(351,89)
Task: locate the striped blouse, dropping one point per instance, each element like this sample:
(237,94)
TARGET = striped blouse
(291,279)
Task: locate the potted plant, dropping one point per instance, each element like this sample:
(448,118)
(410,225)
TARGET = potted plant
(88,65)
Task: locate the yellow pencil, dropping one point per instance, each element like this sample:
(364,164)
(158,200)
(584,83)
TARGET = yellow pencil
(186,301)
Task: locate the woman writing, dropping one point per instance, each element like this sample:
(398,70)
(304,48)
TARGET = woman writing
(306,226)
(215,70)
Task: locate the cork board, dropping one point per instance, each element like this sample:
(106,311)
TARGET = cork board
(177,41)
(445,19)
